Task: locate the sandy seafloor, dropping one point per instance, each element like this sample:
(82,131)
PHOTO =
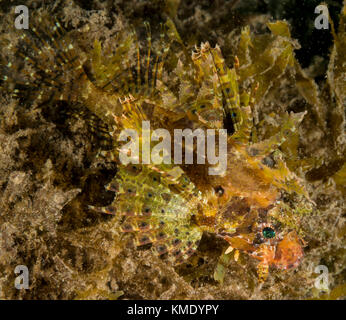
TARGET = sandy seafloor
(72,252)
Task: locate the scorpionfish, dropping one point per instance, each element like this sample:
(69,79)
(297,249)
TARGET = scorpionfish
(165,204)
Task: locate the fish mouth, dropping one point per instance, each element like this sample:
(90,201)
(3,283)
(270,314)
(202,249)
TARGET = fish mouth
(289,252)
(283,254)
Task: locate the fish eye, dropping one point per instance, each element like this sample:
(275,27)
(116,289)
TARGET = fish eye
(219,191)
(268,233)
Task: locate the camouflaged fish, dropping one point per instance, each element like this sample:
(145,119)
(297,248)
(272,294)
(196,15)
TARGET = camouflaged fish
(167,205)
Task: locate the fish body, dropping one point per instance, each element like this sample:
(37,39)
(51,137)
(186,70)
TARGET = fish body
(165,204)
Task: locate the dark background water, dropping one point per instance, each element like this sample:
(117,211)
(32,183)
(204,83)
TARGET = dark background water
(299,13)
